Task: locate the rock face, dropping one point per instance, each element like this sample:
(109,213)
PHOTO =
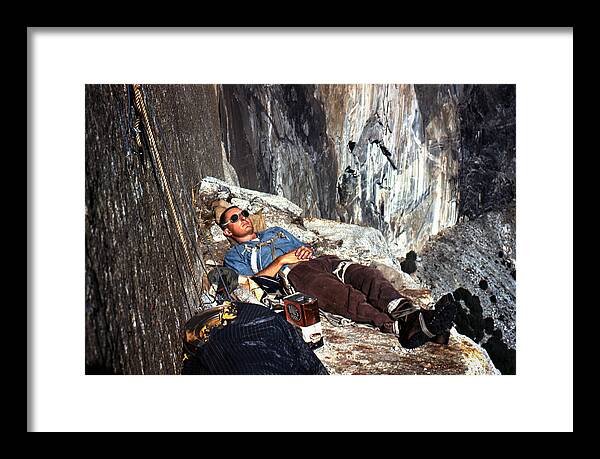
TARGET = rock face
(396,173)
(408,160)
(487,174)
(139,288)
(356,350)
(477,261)
(350,348)
(275,138)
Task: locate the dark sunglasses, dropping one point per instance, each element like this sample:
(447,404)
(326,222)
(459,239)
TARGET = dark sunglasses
(235,217)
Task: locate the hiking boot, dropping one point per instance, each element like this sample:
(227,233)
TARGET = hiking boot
(393,328)
(418,326)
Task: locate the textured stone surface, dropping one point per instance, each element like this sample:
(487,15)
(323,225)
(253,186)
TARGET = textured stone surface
(394,174)
(139,290)
(361,350)
(275,138)
(471,254)
(487,177)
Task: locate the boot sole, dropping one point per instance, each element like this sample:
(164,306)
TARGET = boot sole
(440,322)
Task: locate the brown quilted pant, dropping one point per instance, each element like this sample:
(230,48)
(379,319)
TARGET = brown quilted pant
(362,297)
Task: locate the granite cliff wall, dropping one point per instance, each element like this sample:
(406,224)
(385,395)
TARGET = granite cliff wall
(409,160)
(139,288)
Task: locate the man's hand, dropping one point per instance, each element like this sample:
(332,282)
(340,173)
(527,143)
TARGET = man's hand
(304,253)
(295,256)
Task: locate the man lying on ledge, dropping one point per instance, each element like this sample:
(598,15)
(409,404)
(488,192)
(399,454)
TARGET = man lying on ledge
(354,291)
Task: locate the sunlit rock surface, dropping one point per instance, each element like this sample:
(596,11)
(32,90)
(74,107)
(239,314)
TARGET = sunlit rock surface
(352,348)
(395,172)
(356,350)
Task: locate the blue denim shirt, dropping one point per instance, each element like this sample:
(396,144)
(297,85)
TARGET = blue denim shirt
(240,257)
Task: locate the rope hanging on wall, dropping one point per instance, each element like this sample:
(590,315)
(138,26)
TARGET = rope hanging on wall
(153,147)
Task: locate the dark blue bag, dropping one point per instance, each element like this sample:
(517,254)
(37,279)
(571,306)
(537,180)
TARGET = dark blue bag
(257,341)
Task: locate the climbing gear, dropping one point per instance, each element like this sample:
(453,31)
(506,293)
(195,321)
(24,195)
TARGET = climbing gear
(141,108)
(223,279)
(269,284)
(255,251)
(340,270)
(340,321)
(424,327)
(198,328)
(272,291)
(401,307)
(287,285)
(337,320)
(274,288)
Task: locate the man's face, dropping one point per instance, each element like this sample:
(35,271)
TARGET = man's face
(241,227)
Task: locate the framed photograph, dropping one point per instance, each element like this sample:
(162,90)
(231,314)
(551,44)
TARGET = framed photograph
(326,212)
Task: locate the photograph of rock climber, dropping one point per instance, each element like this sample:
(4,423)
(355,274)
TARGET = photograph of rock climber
(365,193)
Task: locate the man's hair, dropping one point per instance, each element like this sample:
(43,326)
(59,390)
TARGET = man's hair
(222,219)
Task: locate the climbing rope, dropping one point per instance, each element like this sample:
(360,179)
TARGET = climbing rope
(143,112)
(141,108)
(192,209)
